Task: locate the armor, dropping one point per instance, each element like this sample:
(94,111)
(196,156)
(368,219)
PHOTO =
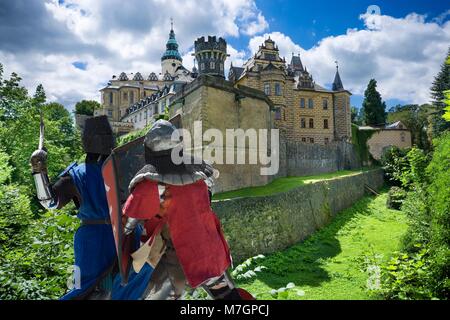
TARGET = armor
(97,136)
(160,195)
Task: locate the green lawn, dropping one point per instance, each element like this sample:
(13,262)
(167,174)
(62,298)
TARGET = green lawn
(330,263)
(282,185)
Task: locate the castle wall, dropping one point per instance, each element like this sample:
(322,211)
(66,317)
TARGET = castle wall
(261,225)
(213,101)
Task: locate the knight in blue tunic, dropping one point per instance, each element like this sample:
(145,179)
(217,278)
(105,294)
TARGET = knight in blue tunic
(94,247)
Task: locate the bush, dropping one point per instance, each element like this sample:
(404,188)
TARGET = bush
(395,163)
(395,198)
(408,276)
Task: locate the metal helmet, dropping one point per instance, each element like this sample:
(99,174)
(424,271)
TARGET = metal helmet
(159,138)
(98,136)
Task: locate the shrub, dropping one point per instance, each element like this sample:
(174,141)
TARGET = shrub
(408,276)
(395,198)
(395,163)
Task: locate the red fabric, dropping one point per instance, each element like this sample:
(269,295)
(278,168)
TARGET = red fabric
(194,228)
(143,202)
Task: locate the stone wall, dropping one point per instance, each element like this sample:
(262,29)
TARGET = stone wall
(300,159)
(261,225)
(383,139)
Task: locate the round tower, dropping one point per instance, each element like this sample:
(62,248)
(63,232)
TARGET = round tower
(211,55)
(171,58)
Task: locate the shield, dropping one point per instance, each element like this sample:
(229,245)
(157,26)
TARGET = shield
(118,170)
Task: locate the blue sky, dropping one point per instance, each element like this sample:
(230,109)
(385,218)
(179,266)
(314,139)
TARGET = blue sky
(73,47)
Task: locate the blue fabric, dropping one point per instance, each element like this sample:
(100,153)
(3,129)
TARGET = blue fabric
(94,245)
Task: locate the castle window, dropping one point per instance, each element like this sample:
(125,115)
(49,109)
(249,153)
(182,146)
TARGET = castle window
(303,139)
(311,140)
(221,67)
(110,113)
(267,88)
(278,114)
(302,102)
(202,66)
(325,123)
(311,123)
(402,137)
(212,65)
(302,123)
(111,98)
(325,104)
(327,140)
(277,89)
(310,103)
(125,96)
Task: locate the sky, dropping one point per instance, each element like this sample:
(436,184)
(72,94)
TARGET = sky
(73,47)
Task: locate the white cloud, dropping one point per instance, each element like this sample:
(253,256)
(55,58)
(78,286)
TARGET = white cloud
(110,36)
(402,54)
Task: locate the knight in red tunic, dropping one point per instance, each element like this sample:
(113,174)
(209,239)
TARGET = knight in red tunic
(184,240)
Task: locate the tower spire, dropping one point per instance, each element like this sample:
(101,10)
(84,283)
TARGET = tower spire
(337,83)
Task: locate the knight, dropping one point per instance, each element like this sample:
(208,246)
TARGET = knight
(185,242)
(94,246)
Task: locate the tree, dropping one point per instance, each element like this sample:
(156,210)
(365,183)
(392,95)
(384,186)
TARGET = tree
(373,107)
(39,96)
(87,107)
(440,85)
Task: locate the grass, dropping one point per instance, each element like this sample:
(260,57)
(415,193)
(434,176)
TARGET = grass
(330,264)
(282,185)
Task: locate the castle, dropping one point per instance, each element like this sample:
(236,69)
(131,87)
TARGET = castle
(303,110)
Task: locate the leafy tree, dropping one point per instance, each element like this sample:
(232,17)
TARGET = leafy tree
(39,96)
(87,107)
(373,107)
(440,85)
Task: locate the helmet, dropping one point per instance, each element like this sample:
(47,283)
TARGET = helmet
(159,140)
(97,136)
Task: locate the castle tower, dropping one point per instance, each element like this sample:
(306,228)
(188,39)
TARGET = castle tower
(211,55)
(171,58)
(341,109)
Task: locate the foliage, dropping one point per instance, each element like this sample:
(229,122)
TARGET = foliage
(356,116)
(394,163)
(35,245)
(87,107)
(245,271)
(326,265)
(359,140)
(133,135)
(281,185)
(428,211)
(395,198)
(440,85)
(373,107)
(408,276)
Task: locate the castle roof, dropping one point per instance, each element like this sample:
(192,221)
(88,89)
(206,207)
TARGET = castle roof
(296,63)
(337,83)
(171,48)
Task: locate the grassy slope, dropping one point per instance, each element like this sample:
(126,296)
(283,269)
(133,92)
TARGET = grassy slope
(281,185)
(328,265)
